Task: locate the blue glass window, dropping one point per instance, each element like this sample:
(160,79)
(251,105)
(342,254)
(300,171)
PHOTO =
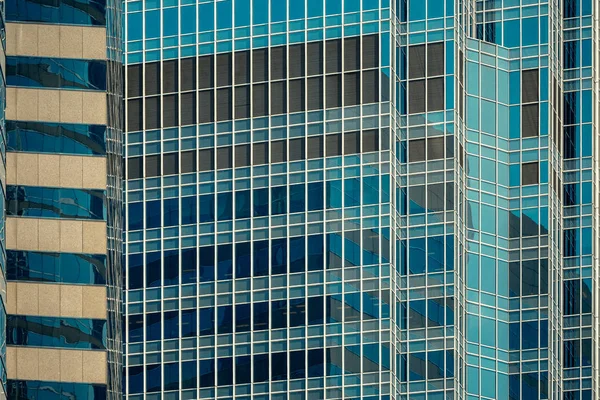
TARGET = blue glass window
(225,261)
(242,204)
(135,271)
(261,316)
(48,390)
(316,254)
(153,327)
(46,202)
(82,269)
(48,137)
(207,264)
(242,369)
(315,196)
(278,200)
(297,198)
(207,373)
(153,214)
(153,269)
(207,321)
(279,314)
(189,323)
(297,367)
(334,194)
(171,212)
(171,325)
(278,366)
(171,376)
(297,312)
(261,257)
(188,210)
(242,317)
(224,206)
(135,216)
(242,260)
(225,319)
(315,363)
(297,259)
(261,367)
(136,379)
(351,192)
(207,208)
(278,256)
(315,310)
(77,12)
(225,371)
(435,253)
(334,251)
(261,202)
(416,255)
(171,267)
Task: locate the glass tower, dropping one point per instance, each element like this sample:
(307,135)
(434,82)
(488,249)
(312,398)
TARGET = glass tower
(361,199)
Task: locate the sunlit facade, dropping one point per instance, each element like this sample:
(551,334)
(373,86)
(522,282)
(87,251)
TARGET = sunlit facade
(332,199)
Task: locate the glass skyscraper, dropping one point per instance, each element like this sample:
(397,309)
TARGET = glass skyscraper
(361,199)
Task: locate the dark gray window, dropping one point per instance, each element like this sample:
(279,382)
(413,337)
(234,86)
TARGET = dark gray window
(206,106)
(449,196)
(152,78)
(450,146)
(242,67)
(370,140)
(278,63)
(370,51)
(530,122)
(435,148)
(260,153)
(242,101)
(333,145)
(260,100)
(530,85)
(416,96)
(416,61)
(188,161)
(224,69)
(530,173)
(351,142)
(435,94)
(206,72)
(242,155)
(134,80)
(188,73)
(296,60)
(170,111)
(333,56)
(152,165)
(314,58)
(315,147)
(224,157)
(314,93)
(370,86)
(171,164)
(435,59)
(223,104)
(435,197)
(278,98)
(385,138)
(170,77)
(416,195)
(416,150)
(278,151)
(206,160)
(260,65)
(134,115)
(351,88)
(296,95)
(135,168)
(188,108)
(297,151)
(333,91)
(351,54)
(152,112)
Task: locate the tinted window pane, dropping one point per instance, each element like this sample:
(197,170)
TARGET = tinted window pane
(260,100)
(278,151)
(416,61)
(416,150)
(260,65)
(370,51)
(435,59)
(242,155)
(370,86)
(242,102)
(315,93)
(134,80)
(351,142)
(278,63)
(261,153)
(206,108)
(530,173)
(530,120)
(170,111)
(351,53)
(315,147)
(296,97)
(242,67)
(416,96)
(296,60)
(351,89)
(224,157)
(333,91)
(223,104)
(435,94)
(188,161)
(314,58)
(152,78)
(224,69)
(206,72)
(152,166)
(171,164)
(333,56)
(278,98)
(134,115)
(170,76)
(530,85)
(297,149)
(333,145)
(188,108)
(152,112)
(188,74)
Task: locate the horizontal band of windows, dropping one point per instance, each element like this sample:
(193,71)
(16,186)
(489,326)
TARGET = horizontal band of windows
(56,73)
(33,266)
(277,314)
(47,202)
(58,138)
(22,389)
(260,153)
(58,332)
(75,12)
(261,258)
(257,203)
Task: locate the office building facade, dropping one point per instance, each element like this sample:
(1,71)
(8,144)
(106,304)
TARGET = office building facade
(61,236)
(361,199)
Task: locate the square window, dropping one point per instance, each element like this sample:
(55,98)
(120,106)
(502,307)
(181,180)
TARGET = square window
(206,160)
(416,61)
(530,173)
(242,155)
(333,145)
(152,166)
(224,157)
(530,123)
(278,151)
(435,148)
(416,150)
(260,153)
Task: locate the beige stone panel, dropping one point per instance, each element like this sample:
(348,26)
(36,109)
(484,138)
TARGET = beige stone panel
(94,302)
(27,299)
(49,365)
(11,168)
(27,363)
(71,103)
(11,233)
(26,39)
(11,38)
(48,234)
(27,234)
(94,237)
(94,366)
(94,108)
(94,43)
(11,103)
(94,172)
(71,299)
(48,105)
(11,362)
(71,41)
(71,171)
(71,236)
(71,365)
(49,169)
(27,104)
(27,170)
(49,300)
(49,40)
(11,297)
